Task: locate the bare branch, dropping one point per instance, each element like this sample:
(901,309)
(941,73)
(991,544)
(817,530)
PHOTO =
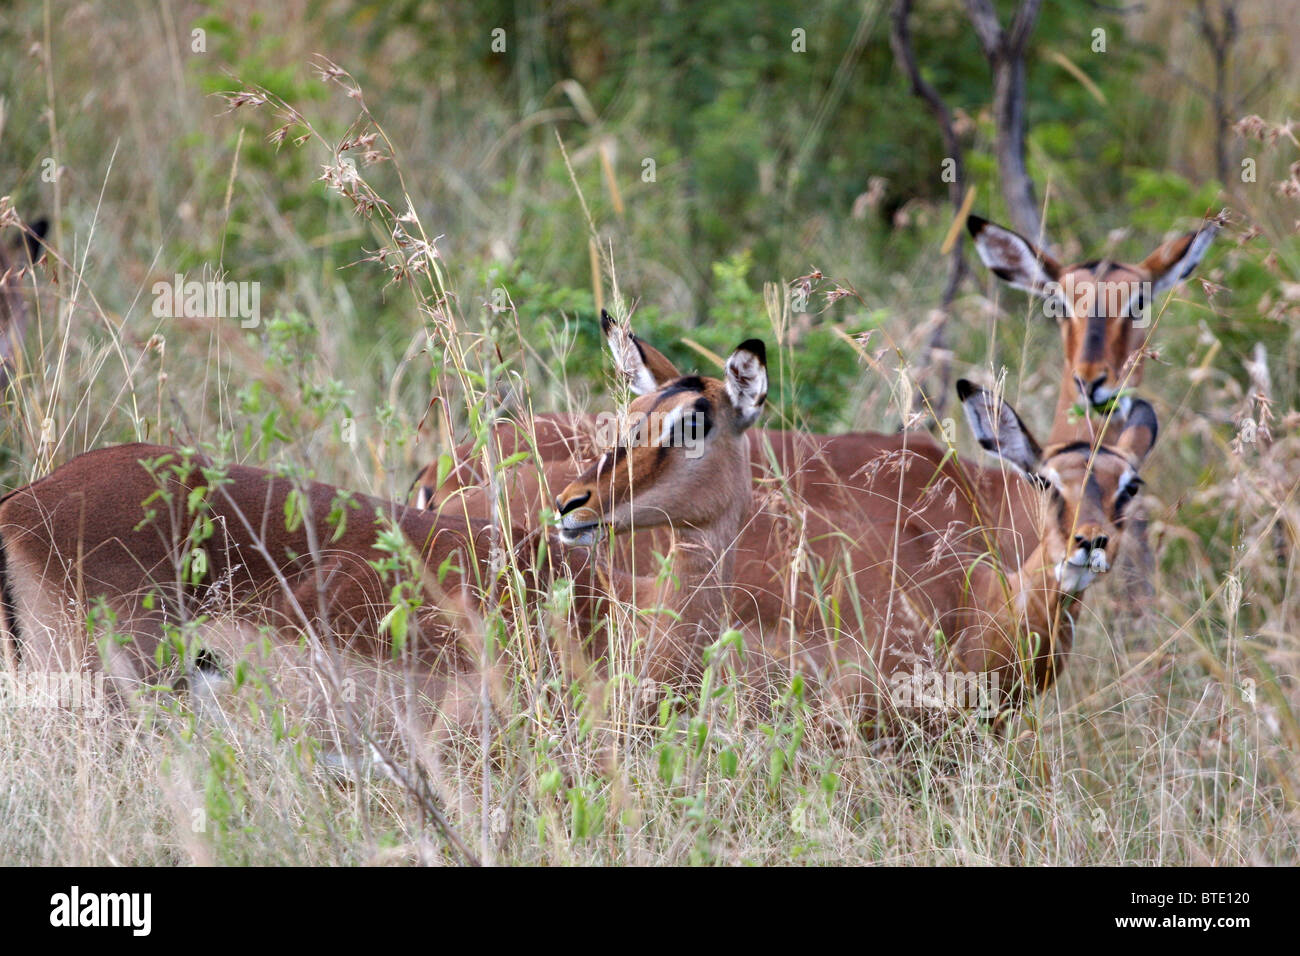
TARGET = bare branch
(1220,36)
(1116,8)
(985,21)
(1022,24)
(900,40)
(1005,52)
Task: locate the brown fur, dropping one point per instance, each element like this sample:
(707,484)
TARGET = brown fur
(920,544)
(103,526)
(699,501)
(890,524)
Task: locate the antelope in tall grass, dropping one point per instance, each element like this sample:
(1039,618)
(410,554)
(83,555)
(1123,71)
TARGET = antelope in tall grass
(14,263)
(676,467)
(680,463)
(142,539)
(1104,310)
(861,518)
(110,558)
(918,562)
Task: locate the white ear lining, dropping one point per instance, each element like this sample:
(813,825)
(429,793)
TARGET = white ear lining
(1188,261)
(746,384)
(628,361)
(997,427)
(1013,260)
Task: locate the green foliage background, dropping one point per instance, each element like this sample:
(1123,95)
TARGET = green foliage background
(760,153)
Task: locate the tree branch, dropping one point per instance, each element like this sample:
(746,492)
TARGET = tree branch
(985,21)
(1005,52)
(1022,24)
(900,40)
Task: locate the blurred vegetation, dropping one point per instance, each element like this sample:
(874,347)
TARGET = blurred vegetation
(764,159)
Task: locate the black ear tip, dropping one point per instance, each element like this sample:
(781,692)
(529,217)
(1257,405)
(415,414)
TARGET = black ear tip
(975,224)
(1142,415)
(606,320)
(964,389)
(755,346)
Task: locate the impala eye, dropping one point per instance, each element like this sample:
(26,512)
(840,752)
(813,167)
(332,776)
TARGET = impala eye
(1139,308)
(1127,494)
(689,429)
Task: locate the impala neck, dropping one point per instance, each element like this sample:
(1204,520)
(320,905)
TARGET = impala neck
(702,562)
(1094,427)
(1025,625)
(681,611)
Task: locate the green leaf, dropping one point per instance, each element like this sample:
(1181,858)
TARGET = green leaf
(513,460)
(394,623)
(293,510)
(196,498)
(728,762)
(445,465)
(444,568)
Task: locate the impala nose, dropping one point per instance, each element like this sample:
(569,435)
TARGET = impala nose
(1095,549)
(1092,391)
(577,501)
(1097,543)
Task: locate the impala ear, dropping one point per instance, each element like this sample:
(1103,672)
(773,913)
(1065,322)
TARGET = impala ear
(747,381)
(1013,258)
(644,367)
(998,428)
(1176,259)
(1140,431)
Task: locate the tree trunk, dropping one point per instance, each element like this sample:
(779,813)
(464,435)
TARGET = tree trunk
(1005,51)
(1009,115)
(940,358)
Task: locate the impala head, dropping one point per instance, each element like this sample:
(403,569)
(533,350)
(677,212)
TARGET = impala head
(678,455)
(1104,307)
(1090,492)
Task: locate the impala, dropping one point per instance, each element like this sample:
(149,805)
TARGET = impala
(1104,309)
(922,562)
(888,529)
(142,539)
(681,462)
(678,470)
